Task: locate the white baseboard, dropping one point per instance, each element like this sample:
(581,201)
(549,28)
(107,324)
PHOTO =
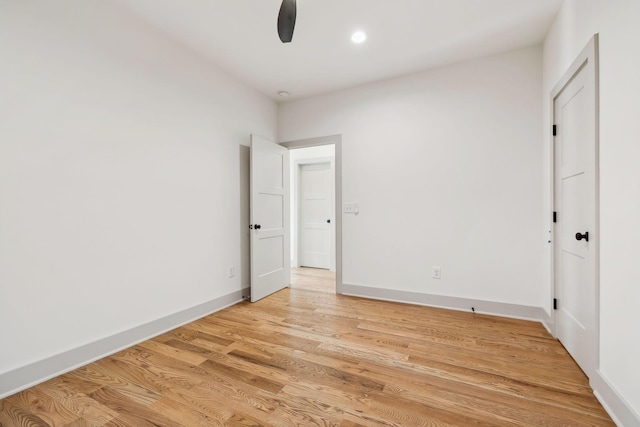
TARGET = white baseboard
(452,303)
(548,322)
(27,376)
(617,407)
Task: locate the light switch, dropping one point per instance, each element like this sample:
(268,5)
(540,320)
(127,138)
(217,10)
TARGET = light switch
(351,208)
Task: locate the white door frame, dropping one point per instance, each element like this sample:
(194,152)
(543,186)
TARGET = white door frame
(336,140)
(589,55)
(295,202)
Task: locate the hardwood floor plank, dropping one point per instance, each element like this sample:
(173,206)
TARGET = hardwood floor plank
(174,352)
(183,414)
(155,380)
(410,413)
(36,401)
(315,358)
(78,403)
(247,377)
(12,415)
(129,410)
(305,410)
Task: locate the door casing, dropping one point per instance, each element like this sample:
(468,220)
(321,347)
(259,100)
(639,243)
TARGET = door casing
(336,140)
(588,55)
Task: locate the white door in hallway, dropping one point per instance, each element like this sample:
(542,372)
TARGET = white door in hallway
(269,219)
(315,202)
(576,233)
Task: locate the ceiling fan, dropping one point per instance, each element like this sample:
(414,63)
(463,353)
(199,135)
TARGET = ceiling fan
(287,20)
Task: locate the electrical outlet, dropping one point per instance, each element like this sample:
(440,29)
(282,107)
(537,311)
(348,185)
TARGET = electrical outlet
(436,272)
(232,271)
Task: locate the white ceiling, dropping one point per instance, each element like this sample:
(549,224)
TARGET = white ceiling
(404,36)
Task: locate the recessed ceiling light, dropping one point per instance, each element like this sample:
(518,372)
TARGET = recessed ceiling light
(358,37)
(283,94)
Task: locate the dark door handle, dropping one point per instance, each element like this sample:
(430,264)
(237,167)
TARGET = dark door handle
(584,236)
(257,226)
(328,221)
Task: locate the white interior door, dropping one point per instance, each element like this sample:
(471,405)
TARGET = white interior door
(270,269)
(575,184)
(315,218)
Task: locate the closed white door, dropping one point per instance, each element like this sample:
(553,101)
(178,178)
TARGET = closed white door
(269,182)
(315,215)
(575,185)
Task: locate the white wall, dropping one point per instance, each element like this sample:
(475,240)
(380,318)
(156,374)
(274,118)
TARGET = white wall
(120,170)
(618,23)
(296,155)
(445,165)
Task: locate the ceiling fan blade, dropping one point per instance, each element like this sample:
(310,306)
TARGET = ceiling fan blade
(287,20)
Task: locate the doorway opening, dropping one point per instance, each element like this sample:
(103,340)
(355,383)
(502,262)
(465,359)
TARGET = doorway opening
(316,226)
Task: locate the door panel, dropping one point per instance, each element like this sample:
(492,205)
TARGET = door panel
(272,249)
(269,182)
(573,190)
(271,208)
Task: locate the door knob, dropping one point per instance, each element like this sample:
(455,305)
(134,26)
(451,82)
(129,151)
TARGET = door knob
(328,221)
(584,236)
(257,227)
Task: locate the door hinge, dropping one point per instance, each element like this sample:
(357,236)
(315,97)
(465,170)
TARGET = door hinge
(555,216)
(555,303)
(555,130)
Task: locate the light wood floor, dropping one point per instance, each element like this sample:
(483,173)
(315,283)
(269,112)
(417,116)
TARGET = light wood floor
(308,358)
(313,279)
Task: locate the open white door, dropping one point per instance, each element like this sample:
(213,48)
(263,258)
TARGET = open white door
(270,262)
